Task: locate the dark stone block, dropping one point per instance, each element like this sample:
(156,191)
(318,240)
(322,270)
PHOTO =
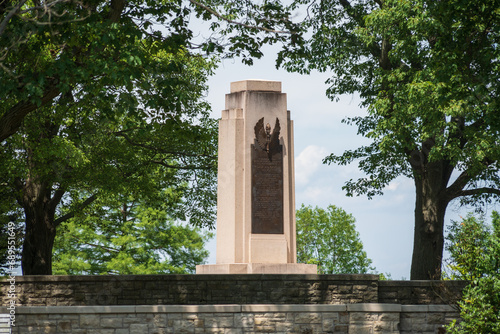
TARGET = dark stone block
(228,289)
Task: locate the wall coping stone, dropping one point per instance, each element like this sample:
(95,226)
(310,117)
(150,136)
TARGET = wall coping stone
(373,307)
(251,308)
(188,308)
(421,283)
(294,308)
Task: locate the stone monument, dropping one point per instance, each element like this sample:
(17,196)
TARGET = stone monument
(255,195)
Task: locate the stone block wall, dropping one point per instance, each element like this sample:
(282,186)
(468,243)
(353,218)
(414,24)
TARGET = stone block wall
(195,289)
(420,292)
(158,304)
(303,319)
(226,289)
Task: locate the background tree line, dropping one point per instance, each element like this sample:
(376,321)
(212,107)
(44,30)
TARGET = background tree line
(474,247)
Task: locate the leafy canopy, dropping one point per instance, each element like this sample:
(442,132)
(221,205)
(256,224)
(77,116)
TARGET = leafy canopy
(329,239)
(428,72)
(102,99)
(474,250)
(51,48)
(82,145)
(128,236)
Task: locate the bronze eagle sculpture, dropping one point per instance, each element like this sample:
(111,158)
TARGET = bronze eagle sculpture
(268,141)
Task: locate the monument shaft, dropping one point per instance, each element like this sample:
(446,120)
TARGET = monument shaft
(255,194)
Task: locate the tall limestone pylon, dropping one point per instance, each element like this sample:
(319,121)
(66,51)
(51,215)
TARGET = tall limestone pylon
(256,187)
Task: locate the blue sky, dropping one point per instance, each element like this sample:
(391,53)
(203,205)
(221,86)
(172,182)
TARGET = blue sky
(385,223)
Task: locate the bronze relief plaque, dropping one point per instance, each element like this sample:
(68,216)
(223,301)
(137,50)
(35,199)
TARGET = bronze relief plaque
(267,181)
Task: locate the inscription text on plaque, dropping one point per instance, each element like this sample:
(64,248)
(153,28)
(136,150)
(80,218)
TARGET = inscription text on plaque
(267,180)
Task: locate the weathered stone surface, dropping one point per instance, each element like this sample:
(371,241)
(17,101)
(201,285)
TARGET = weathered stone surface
(312,303)
(102,331)
(328,324)
(360,329)
(114,322)
(122,331)
(274,319)
(64,326)
(89,321)
(138,328)
(224,289)
(256,85)
(307,318)
(420,292)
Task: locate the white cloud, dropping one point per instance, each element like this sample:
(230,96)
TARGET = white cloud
(392,186)
(308,162)
(316,196)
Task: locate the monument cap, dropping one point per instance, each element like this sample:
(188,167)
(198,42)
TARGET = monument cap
(256,85)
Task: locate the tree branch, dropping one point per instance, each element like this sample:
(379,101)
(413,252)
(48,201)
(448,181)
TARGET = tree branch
(158,150)
(56,198)
(12,119)
(13,12)
(46,6)
(164,164)
(349,10)
(213,12)
(478,191)
(373,48)
(71,214)
(454,190)
(457,188)
(109,249)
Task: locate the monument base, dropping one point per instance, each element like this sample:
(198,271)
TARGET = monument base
(257,268)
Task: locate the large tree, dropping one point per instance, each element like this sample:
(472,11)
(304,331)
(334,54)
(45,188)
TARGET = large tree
(429,74)
(329,239)
(97,101)
(61,162)
(97,97)
(97,94)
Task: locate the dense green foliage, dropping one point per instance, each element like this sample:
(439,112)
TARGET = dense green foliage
(53,47)
(105,98)
(100,100)
(123,236)
(428,72)
(57,47)
(329,239)
(475,256)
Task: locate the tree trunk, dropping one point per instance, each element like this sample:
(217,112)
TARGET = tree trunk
(430,208)
(40,229)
